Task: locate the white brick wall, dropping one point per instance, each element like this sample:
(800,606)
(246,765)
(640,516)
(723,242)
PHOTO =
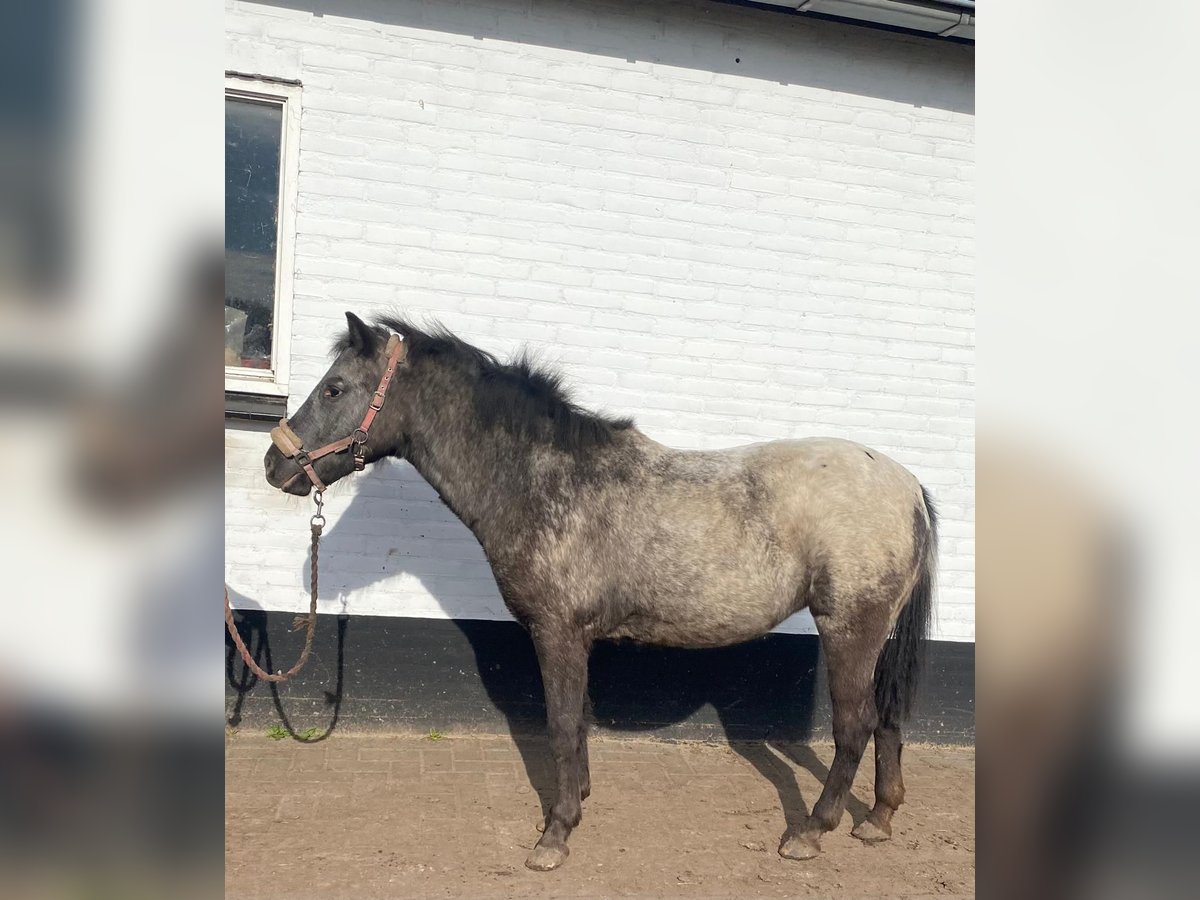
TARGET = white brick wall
(731,251)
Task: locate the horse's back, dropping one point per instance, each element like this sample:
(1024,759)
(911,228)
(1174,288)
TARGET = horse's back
(822,477)
(805,482)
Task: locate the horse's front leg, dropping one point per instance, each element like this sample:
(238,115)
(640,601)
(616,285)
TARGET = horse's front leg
(562,654)
(585,773)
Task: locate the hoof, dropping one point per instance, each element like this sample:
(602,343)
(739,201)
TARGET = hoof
(870,832)
(543,859)
(800,846)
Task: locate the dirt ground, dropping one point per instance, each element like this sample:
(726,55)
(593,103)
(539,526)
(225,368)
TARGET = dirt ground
(405,816)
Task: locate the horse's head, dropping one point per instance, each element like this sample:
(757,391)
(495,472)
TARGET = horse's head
(351,418)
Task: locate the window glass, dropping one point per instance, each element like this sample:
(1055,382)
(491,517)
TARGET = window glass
(253,138)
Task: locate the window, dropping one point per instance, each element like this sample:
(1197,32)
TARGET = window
(262,130)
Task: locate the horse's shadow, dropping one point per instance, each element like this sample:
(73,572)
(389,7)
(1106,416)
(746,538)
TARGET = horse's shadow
(761,696)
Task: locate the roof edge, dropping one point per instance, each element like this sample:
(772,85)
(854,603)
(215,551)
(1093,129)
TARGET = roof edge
(944,20)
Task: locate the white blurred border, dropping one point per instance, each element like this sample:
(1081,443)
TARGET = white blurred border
(153,168)
(147,171)
(1089,306)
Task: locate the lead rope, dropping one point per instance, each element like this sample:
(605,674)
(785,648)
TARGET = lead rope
(317,523)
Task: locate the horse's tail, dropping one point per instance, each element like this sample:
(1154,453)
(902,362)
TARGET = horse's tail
(900,661)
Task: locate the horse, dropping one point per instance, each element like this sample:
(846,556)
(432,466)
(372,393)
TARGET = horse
(595,531)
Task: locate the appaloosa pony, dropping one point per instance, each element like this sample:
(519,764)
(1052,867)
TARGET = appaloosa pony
(595,531)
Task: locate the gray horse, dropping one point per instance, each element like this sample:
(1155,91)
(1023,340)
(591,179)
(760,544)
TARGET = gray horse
(595,531)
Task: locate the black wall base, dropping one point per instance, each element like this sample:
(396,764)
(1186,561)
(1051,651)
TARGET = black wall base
(379,672)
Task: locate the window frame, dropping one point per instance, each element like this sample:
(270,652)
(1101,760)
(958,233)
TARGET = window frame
(273,382)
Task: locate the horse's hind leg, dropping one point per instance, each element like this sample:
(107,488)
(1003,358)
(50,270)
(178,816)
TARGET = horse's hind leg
(851,649)
(889,785)
(562,655)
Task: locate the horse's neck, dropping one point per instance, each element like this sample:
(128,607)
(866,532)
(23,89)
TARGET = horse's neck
(479,473)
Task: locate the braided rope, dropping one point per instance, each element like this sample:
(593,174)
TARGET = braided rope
(309,621)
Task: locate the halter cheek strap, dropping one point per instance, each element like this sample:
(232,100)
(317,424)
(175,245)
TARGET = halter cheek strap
(292,446)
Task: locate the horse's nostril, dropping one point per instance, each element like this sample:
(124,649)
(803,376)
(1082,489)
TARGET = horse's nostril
(271,467)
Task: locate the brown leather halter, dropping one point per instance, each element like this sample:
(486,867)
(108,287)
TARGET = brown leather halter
(291,445)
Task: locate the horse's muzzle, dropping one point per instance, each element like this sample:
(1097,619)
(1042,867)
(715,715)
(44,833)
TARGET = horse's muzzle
(298,484)
(283,473)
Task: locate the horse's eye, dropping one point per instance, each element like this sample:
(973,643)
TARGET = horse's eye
(332,391)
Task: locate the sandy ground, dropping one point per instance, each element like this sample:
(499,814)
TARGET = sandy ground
(404,816)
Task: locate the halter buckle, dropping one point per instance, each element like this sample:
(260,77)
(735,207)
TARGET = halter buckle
(359,449)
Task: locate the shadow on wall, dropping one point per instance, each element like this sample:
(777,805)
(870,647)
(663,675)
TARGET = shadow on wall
(761,696)
(711,37)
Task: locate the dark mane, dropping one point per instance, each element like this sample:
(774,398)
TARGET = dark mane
(521,396)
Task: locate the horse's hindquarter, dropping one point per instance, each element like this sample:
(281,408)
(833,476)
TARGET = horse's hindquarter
(719,547)
(858,514)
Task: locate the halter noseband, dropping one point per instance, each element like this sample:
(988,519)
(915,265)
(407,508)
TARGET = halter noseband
(291,445)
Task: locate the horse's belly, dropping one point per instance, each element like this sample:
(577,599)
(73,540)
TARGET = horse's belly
(705,619)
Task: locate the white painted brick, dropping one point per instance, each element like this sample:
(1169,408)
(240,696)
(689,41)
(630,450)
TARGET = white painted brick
(727,257)
(653,344)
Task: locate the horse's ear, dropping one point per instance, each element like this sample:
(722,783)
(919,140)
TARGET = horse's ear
(363,338)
